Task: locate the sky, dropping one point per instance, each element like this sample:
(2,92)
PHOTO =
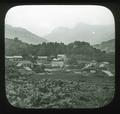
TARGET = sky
(42,19)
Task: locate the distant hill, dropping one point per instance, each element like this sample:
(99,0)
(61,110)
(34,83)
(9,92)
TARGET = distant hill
(23,34)
(94,34)
(108,46)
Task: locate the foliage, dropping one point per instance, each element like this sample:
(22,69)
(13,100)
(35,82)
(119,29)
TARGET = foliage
(72,61)
(39,68)
(24,92)
(78,49)
(11,69)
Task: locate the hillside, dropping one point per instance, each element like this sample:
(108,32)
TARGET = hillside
(94,34)
(23,34)
(15,47)
(108,46)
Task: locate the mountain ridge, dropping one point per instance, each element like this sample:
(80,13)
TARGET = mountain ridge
(23,34)
(94,34)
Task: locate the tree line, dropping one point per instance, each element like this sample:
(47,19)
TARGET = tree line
(77,49)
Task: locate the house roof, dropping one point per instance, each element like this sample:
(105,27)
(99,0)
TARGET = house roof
(27,68)
(18,57)
(9,57)
(58,59)
(42,57)
(12,57)
(61,55)
(105,62)
(24,62)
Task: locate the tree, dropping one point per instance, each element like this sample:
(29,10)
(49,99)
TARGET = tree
(80,49)
(39,68)
(16,39)
(34,59)
(72,61)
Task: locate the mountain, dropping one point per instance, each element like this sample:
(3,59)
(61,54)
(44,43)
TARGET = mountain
(108,46)
(23,34)
(94,34)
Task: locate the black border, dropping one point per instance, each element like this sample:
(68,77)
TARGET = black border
(5,107)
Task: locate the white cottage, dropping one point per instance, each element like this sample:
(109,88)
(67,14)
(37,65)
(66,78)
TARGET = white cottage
(14,58)
(42,60)
(61,57)
(57,64)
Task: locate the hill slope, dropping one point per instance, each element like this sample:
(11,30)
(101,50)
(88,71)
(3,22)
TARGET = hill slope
(108,46)
(22,34)
(15,47)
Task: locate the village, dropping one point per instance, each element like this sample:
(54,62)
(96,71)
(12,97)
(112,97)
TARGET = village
(44,65)
(37,82)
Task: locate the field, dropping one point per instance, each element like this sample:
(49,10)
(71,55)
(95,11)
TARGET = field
(59,90)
